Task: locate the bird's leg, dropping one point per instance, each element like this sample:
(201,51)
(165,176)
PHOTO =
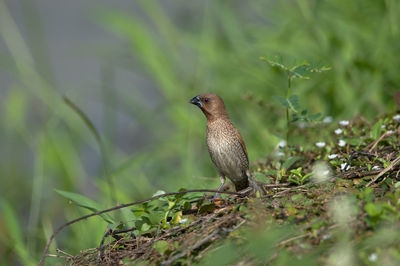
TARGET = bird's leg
(254,184)
(223,179)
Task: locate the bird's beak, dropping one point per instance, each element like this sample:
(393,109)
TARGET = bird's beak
(196,101)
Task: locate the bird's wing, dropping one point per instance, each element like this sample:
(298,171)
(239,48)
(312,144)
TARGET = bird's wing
(242,143)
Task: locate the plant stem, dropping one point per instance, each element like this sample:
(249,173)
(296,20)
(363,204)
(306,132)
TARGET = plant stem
(287,113)
(287,127)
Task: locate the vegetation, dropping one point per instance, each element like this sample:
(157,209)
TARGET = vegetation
(329,206)
(52,146)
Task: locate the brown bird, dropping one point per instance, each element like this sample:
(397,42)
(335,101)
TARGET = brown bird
(225,144)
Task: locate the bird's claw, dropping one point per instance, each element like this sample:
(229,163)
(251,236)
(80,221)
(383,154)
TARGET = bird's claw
(257,188)
(216,196)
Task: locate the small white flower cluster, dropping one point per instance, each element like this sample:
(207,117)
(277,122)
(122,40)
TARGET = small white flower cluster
(344,166)
(320,144)
(341,143)
(338,131)
(375,168)
(332,156)
(396,118)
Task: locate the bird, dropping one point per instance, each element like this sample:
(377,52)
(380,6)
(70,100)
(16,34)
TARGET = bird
(225,144)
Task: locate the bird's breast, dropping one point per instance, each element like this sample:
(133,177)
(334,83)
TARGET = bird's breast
(226,151)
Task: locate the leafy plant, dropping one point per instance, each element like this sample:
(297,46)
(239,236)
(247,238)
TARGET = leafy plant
(294,111)
(150,216)
(298,177)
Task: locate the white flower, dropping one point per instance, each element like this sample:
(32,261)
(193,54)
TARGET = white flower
(373,257)
(327,119)
(375,168)
(383,126)
(341,143)
(183,221)
(343,165)
(396,118)
(332,156)
(282,144)
(389,132)
(320,144)
(344,123)
(279,154)
(327,236)
(338,131)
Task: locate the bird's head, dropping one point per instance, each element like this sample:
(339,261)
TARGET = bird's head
(211,104)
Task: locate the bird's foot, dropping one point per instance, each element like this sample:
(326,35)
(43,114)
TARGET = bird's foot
(257,189)
(216,196)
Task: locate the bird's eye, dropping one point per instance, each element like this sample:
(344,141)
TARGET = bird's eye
(206,100)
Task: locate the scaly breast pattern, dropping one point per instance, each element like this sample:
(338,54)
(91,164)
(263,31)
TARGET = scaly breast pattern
(226,151)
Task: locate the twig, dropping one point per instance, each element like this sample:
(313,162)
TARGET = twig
(46,249)
(354,155)
(63,252)
(195,246)
(372,145)
(276,185)
(394,162)
(112,233)
(356,174)
(284,242)
(290,189)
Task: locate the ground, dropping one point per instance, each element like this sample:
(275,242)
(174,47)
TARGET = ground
(333,202)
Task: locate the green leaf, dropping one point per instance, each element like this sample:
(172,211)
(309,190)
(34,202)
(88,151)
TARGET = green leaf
(144,228)
(128,217)
(207,208)
(289,162)
(187,205)
(160,192)
(274,63)
(161,246)
(294,180)
(373,209)
(16,240)
(376,130)
(355,141)
(294,103)
(261,177)
(114,226)
(299,71)
(155,218)
(283,101)
(85,202)
(314,117)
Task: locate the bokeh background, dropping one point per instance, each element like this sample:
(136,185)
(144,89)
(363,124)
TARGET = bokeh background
(130,66)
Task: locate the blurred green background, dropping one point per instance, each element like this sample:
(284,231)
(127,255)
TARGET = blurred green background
(132,66)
